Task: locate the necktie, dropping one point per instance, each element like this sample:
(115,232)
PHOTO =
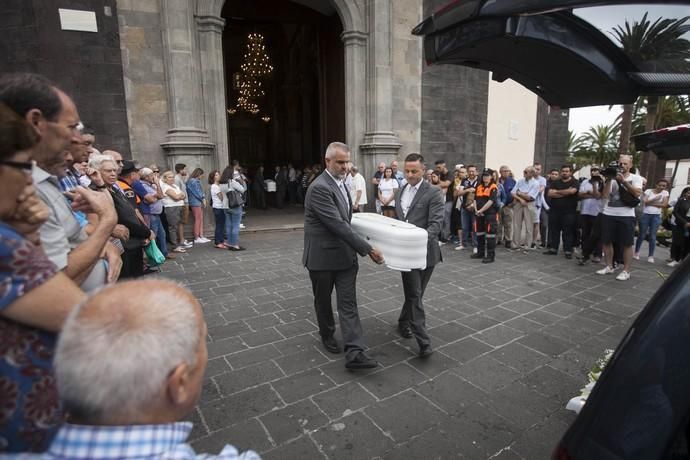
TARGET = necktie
(343,190)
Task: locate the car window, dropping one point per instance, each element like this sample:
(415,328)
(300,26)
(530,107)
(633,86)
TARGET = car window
(656,38)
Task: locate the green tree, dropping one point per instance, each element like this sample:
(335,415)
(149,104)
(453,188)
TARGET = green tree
(598,145)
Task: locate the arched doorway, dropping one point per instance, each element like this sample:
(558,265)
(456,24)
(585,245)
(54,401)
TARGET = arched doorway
(303,106)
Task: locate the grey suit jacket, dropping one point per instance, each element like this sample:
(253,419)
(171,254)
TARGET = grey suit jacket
(329,243)
(426,211)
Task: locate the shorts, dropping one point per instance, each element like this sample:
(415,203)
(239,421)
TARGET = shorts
(537,214)
(615,229)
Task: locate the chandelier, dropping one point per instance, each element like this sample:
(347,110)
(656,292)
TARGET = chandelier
(248,82)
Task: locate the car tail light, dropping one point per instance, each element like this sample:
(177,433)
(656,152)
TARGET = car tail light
(560,453)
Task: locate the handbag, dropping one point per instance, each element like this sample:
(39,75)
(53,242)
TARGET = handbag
(627,198)
(234,198)
(153,254)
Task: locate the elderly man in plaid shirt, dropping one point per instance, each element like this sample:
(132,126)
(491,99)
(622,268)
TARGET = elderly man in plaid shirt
(130,365)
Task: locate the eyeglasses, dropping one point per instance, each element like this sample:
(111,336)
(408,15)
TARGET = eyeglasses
(26,166)
(120,162)
(156,171)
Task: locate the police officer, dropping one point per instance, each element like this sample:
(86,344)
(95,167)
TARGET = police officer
(486,219)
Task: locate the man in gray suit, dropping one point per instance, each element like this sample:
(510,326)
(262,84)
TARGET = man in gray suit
(330,255)
(420,204)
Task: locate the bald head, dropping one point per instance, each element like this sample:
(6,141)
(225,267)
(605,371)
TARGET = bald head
(118,351)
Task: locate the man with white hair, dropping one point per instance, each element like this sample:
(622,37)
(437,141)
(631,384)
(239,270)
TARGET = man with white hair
(130,367)
(358,190)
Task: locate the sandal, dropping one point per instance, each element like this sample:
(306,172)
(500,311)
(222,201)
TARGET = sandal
(220,246)
(180,249)
(238,248)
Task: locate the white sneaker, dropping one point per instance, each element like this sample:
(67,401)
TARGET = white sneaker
(459,247)
(242,225)
(187,244)
(636,256)
(201,241)
(474,250)
(605,271)
(672,263)
(650,260)
(623,276)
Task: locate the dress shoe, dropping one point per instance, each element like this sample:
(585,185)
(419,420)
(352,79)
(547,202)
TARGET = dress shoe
(476,255)
(330,344)
(405,331)
(550,252)
(487,260)
(361,361)
(425,351)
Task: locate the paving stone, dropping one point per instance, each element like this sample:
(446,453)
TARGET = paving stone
(240,406)
(301,361)
(487,373)
(247,377)
(352,437)
(262,322)
(252,356)
(544,343)
(294,328)
(228,330)
(543,317)
(524,325)
(451,392)
(248,435)
(404,415)
(465,350)
(393,352)
(433,365)
(498,335)
(521,306)
(449,332)
(262,337)
(562,309)
(343,400)
(500,314)
(216,366)
(392,380)
(303,447)
(302,385)
(478,322)
(225,347)
(294,420)
(552,382)
(436,443)
(519,357)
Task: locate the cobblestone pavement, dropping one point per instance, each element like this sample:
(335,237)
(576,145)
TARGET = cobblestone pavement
(514,341)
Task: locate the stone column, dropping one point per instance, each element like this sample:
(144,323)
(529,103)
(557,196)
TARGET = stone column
(355,89)
(187,140)
(210,30)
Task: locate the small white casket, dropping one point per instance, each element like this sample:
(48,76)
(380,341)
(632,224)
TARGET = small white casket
(270,185)
(403,245)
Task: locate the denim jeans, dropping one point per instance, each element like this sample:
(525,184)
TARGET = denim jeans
(233,217)
(649,223)
(156,227)
(219,215)
(467,219)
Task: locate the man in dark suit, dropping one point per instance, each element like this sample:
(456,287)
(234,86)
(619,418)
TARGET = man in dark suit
(330,255)
(420,204)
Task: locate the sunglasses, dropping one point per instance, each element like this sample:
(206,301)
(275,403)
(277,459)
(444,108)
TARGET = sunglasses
(26,166)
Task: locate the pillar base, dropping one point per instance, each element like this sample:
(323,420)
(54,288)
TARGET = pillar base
(190,146)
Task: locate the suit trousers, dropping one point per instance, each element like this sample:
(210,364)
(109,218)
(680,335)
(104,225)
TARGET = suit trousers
(523,220)
(414,285)
(344,281)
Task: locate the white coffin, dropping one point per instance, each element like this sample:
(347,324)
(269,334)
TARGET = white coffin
(403,245)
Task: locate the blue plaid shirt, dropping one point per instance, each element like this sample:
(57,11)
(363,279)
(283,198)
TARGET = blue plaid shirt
(167,441)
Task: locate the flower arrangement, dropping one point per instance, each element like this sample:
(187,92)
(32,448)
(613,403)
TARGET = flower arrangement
(576,403)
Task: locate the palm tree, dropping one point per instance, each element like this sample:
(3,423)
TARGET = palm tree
(652,47)
(597,145)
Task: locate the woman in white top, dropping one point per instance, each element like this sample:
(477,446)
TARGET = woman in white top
(387,187)
(654,201)
(219,203)
(232,179)
(173,201)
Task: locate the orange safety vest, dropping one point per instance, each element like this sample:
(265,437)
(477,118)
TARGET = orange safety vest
(128,191)
(485,192)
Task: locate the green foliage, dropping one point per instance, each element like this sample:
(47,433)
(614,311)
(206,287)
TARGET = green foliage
(599,145)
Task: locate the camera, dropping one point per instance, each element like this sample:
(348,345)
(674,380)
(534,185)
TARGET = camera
(612,170)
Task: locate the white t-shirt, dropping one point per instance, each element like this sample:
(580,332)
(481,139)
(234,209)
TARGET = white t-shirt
(614,207)
(358,183)
(387,188)
(216,201)
(659,198)
(168,202)
(590,206)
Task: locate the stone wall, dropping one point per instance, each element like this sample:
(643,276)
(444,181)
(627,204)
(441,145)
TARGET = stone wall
(144,78)
(406,75)
(551,140)
(86,65)
(454,110)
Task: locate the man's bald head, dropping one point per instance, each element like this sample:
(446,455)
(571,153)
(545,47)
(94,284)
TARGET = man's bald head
(118,351)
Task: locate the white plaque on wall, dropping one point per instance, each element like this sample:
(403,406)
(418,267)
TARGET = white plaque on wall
(83,21)
(514,130)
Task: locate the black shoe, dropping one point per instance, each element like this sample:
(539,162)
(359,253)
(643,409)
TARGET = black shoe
(550,252)
(425,351)
(487,260)
(582,260)
(330,344)
(568,255)
(361,361)
(507,244)
(405,331)
(476,256)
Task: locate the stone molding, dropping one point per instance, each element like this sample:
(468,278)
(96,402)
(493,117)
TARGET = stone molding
(354,38)
(380,142)
(210,24)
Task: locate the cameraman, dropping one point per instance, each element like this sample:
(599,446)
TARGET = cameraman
(591,206)
(621,191)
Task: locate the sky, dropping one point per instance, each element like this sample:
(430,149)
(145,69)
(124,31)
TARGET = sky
(605,18)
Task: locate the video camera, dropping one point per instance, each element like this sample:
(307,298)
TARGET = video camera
(612,170)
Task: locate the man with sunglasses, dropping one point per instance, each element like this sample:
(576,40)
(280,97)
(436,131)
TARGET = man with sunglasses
(89,260)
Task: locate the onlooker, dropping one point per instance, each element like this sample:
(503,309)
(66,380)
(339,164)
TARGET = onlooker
(397,174)
(292,184)
(618,223)
(89,260)
(197,201)
(153,196)
(259,188)
(505,225)
(445,180)
(181,181)
(233,214)
(375,181)
(358,191)
(562,212)
(388,186)
(460,176)
(654,201)
(591,206)
(36,299)
(134,410)
(525,194)
(281,178)
(469,188)
(680,244)
(173,201)
(541,220)
(485,208)
(219,203)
